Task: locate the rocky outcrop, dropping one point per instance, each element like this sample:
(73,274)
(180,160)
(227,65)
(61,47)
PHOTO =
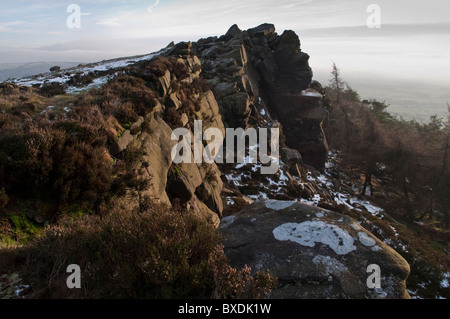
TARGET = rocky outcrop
(225,69)
(315,253)
(284,75)
(250,68)
(196,186)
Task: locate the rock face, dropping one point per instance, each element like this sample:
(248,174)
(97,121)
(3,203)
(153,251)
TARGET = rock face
(157,148)
(196,186)
(315,253)
(284,74)
(249,68)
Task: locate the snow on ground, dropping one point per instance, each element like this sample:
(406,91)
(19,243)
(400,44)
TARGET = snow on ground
(96,83)
(276,184)
(313,202)
(279,205)
(64,76)
(444,282)
(230,201)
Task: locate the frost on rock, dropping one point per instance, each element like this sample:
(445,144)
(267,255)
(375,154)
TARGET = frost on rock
(227,221)
(230,201)
(311,94)
(376,248)
(366,240)
(332,266)
(279,205)
(311,232)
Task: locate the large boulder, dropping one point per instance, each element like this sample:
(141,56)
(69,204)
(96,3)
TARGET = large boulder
(121,143)
(262,30)
(233,31)
(315,253)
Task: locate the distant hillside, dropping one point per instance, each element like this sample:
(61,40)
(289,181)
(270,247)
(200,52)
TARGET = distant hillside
(410,99)
(18,70)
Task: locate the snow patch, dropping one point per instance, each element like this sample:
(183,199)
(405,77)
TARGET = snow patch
(278,204)
(332,266)
(376,248)
(311,94)
(311,232)
(366,240)
(314,202)
(444,282)
(230,201)
(227,221)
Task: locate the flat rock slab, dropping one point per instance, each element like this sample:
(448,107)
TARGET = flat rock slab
(315,253)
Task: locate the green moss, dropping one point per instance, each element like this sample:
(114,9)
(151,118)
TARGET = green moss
(76,210)
(174,171)
(127,125)
(122,131)
(24,229)
(6,241)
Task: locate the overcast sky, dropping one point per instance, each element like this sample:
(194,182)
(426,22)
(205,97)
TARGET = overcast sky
(413,43)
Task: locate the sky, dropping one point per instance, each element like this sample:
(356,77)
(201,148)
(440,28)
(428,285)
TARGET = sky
(410,50)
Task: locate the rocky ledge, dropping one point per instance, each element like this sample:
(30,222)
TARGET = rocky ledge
(315,253)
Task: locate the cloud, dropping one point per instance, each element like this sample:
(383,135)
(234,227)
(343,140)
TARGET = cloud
(54,32)
(386,30)
(150,9)
(109,22)
(6,26)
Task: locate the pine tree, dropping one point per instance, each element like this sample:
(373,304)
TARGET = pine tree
(336,82)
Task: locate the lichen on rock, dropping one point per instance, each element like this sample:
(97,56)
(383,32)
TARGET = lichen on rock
(311,232)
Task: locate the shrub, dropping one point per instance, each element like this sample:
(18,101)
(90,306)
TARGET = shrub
(52,89)
(125,114)
(158,66)
(79,79)
(157,253)
(240,284)
(64,162)
(200,85)
(132,90)
(173,117)
(24,229)
(4,199)
(179,69)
